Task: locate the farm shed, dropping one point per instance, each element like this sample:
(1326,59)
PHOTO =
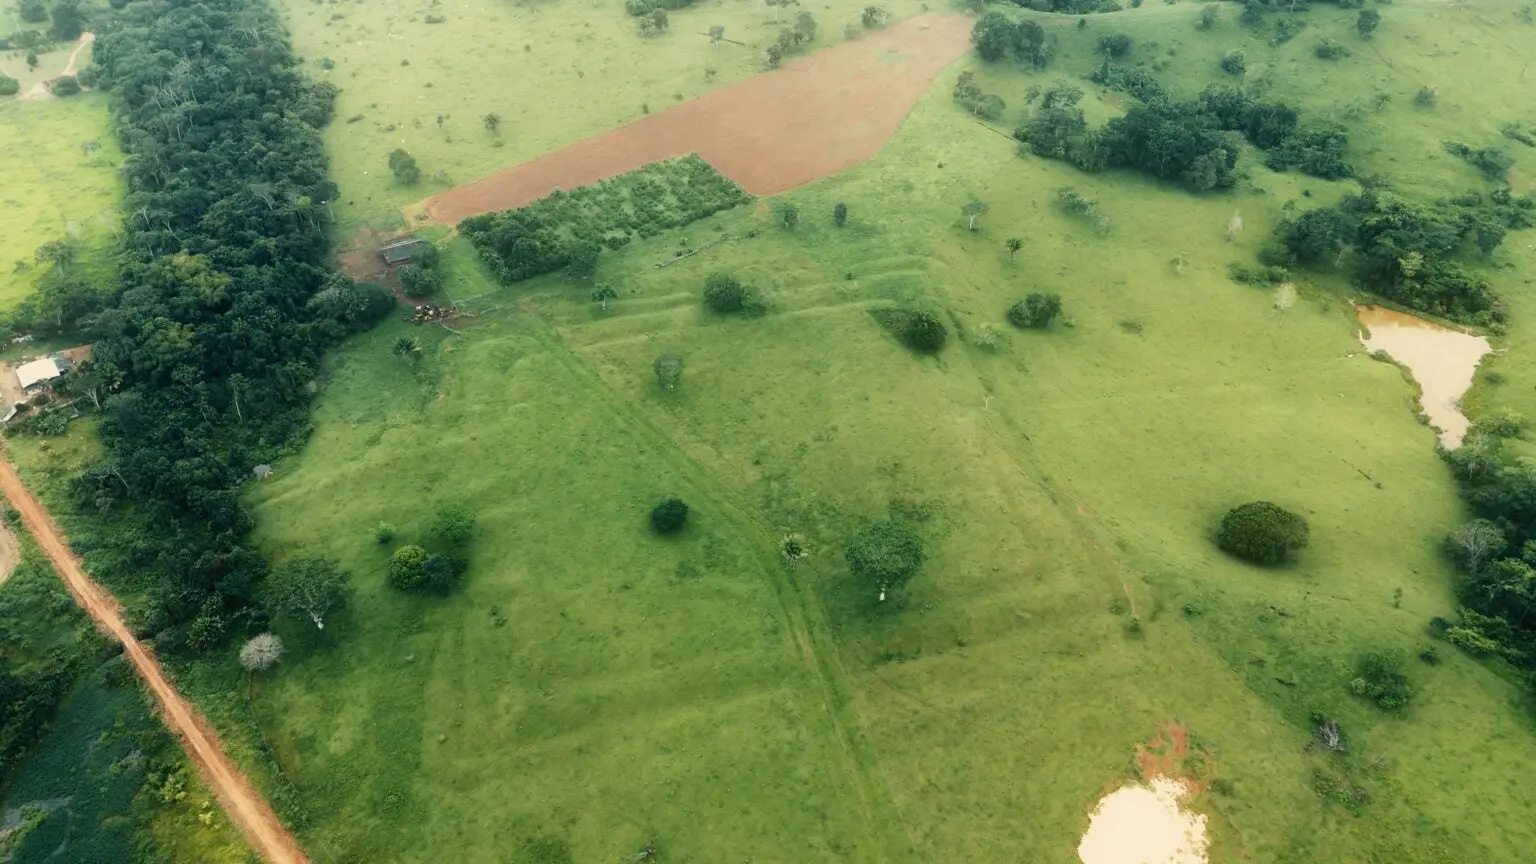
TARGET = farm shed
(401,251)
(41,371)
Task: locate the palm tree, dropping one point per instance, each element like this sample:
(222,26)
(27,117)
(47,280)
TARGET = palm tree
(1014,244)
(408,348)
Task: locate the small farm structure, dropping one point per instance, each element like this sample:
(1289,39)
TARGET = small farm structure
(400,252)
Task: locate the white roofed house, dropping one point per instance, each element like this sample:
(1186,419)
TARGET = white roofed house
(41,372)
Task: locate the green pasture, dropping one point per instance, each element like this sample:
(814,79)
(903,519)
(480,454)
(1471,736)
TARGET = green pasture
(54,187)
(594,686)
(554,73)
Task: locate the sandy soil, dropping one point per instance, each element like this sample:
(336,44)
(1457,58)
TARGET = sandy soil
(245,806)
(10,553)
(816,116)
(1145,825)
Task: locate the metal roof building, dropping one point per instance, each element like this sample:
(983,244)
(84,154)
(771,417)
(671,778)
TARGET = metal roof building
(401,251)
(39,371)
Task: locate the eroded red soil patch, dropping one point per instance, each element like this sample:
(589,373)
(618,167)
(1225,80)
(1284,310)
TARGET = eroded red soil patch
(816,116)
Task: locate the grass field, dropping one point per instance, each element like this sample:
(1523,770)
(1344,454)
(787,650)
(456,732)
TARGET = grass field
(585,61)
(593,686)
(52,187)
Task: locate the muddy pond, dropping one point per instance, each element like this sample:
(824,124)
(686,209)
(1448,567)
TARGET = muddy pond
(1441,360)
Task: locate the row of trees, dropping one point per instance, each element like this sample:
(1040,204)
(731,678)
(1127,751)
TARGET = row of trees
(1181,141)
(545,236)
(222,310)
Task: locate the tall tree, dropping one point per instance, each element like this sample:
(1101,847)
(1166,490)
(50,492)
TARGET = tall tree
(310,587)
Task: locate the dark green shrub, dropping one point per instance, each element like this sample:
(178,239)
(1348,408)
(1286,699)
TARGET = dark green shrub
(405,568)
(418,281)
(1233,63)
(88,76)
(453,524)
(65,86)
(668,516)
(884,554)
(1328,49)
(440,574)
(1262,533)
(723,294)
(385,532)
(1036,311)
(1383,679)
(924,332)
(840,211)
(9,86)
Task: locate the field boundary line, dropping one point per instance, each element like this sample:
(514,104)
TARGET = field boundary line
(238,797)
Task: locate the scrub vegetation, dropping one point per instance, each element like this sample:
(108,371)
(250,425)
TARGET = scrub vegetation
(700,528)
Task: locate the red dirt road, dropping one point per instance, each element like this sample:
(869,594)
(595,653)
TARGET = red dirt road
(246,808)
(816,116)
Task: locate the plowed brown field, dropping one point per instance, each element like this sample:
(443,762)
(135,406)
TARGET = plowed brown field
(816,116)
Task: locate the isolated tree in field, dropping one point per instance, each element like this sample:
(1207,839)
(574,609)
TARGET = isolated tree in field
(1117,45)
(924,332)
(1383,679)
(602,294)
(805,28)
(669,516)
(1475,543)
(420,281)
(261,653)
(67,85)
(492,122)
(669,371)
(385,532)
(405,567)
(786,214)
(403,166)
(1262,533)
(773,56)
(312,587)
(1207,16)
(407,348)
(1036,311)
(453,524)
(1233,62)
(884,554)
(68,21)
(724,294)
(971,212)
(840,214)
(583,264)
(31,59)
(874,16)
(58,253)
(440,574)
(716,35)
(1014,244)
(32,11)
(1367,22)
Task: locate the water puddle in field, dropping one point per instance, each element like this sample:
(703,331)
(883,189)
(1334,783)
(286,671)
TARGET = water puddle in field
(1441,360)
(1145,825)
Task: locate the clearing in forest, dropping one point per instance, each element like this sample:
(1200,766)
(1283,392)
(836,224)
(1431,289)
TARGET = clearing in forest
(814,117)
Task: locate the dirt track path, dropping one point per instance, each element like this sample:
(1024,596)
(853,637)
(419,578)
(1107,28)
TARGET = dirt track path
(246,808)
(40,90)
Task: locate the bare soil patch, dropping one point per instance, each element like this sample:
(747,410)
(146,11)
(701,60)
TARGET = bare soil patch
(814,117)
